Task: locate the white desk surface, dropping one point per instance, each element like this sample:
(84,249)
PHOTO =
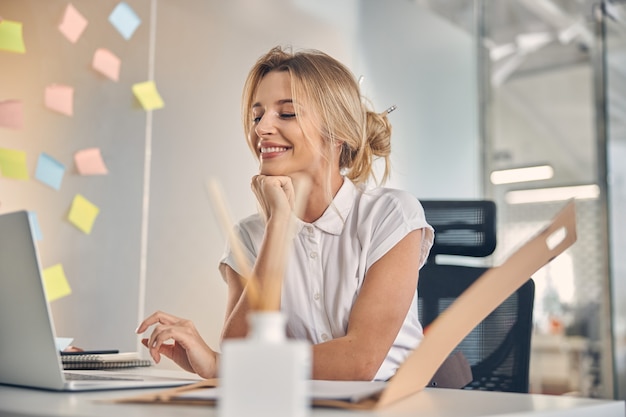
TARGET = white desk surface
(432,402)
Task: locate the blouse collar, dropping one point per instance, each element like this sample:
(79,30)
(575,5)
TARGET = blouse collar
(334,218)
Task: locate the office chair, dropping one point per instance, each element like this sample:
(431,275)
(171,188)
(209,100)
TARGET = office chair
(498,349)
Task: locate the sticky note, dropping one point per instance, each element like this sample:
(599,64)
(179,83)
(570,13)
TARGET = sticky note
(60,98)
(49,171)
(124,19)
(106,63)
(72,24)
(63,343)
(11,114)
(148,95)
(11,39)
(89,162)
(83,213)
(13,164)
(34,225)
(55,283)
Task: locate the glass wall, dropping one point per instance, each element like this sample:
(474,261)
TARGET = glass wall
(542,148)
(612,68)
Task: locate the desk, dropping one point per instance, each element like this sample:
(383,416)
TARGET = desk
(432,402)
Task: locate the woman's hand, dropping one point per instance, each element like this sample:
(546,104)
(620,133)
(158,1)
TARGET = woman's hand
(189,351)
(275,195)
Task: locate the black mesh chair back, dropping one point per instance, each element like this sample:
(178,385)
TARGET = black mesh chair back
(498,349)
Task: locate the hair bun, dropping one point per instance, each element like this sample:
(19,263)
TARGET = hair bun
(378,132)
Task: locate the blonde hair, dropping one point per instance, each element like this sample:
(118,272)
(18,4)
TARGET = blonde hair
(330,89)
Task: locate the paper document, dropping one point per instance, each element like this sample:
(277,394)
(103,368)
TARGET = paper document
(351,391)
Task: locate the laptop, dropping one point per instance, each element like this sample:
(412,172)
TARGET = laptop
(28,353)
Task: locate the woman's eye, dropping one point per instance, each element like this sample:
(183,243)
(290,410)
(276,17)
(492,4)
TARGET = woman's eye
(287,115)
(256,120)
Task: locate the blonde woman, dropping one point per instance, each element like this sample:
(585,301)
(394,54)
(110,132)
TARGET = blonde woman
(351,277)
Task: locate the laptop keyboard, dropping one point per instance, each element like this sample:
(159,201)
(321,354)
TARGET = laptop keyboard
(70,376)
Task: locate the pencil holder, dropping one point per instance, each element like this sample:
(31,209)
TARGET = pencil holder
(265,374)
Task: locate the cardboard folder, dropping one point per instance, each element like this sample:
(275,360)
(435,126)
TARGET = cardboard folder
(442,336)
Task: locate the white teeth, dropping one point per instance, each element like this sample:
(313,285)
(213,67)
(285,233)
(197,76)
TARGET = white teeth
(273,149)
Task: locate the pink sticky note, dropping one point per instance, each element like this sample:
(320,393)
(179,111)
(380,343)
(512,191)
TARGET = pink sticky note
(11,114)
(73,24)
(60,98)
(89,162)
(106,63)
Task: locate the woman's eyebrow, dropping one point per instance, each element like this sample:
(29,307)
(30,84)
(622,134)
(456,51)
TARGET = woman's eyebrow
(282,101)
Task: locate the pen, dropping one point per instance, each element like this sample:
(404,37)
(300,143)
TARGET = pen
(91,352)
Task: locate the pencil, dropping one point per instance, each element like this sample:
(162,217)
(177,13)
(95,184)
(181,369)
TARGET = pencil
(219,207)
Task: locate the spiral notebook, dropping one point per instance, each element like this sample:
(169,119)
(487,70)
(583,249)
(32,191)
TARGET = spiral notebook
(104,361)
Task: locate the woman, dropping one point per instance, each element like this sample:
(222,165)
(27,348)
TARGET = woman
(351,277)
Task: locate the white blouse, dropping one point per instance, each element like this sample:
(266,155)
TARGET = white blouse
(331,257)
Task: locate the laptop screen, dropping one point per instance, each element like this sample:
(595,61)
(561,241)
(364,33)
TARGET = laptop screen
(28,353)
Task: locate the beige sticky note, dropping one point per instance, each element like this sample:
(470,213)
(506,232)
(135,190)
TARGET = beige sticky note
(106,63)
(60,98)
(55,283)
(83,213)
(11,114)
(72,24)
(147,94)
(11,38)
(13,164)
(89,162)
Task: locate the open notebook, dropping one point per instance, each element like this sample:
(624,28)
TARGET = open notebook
(443,334)
(28,353)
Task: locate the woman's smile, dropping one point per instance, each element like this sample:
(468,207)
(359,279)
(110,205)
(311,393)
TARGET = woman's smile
(268,151)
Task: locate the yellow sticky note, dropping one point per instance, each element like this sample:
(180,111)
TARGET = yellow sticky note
(148,95)
(83,213)
(55,282)
(11,37)
(13,164)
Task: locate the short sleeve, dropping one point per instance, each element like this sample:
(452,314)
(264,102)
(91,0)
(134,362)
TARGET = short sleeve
(249,232)
(392,216)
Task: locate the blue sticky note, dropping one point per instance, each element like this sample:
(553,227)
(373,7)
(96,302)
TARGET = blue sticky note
(34,225)
(124,19)
(49,171)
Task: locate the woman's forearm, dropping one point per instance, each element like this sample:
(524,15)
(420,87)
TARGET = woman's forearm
(268,271)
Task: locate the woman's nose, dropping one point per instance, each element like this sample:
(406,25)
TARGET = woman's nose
(266,125)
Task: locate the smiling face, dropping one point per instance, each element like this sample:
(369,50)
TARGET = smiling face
(277,132)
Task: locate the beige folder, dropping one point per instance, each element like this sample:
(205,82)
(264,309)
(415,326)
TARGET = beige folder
(446,331)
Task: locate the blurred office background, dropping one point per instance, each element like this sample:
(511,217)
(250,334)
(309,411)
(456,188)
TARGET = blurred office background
(482,87)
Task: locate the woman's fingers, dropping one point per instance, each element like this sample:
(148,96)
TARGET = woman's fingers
(163,322)
(156,357)
(158,317)
(274,193)
(185,347)
(170,328)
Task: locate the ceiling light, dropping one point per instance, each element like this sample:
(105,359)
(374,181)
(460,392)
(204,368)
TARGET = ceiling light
(531,42)
(542,195)
(508,176)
